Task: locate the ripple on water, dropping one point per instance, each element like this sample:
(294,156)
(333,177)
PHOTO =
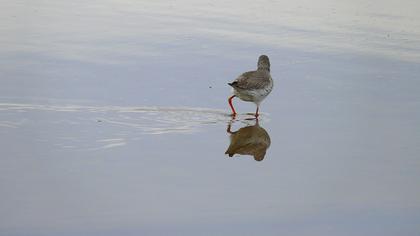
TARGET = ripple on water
(104,127)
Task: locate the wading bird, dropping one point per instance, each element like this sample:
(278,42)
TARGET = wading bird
(253,86)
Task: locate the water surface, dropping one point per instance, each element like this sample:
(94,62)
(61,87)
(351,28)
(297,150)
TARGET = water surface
(114,118)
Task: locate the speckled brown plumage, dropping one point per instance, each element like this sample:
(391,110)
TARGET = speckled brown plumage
(253,86)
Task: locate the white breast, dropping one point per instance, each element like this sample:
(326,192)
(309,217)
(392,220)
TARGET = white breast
(255,95)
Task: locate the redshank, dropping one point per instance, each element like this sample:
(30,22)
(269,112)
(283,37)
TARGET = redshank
(253,86)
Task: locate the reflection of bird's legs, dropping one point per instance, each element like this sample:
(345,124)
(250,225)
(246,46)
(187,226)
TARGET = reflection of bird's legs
(256,113)
(230,126)
(231,106)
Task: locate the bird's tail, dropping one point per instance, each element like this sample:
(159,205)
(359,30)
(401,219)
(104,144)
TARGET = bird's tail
(233,83)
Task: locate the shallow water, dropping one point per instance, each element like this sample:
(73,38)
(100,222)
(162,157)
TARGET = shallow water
(114,118)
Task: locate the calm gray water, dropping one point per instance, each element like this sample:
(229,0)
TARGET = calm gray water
(114,118)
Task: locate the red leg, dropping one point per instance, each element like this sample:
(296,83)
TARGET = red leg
(231,106)
(256,113)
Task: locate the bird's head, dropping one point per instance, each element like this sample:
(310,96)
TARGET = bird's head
(263,63)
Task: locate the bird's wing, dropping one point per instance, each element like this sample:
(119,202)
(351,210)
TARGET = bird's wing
(251,80)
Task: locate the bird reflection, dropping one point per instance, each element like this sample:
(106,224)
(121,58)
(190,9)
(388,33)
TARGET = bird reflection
(249,140)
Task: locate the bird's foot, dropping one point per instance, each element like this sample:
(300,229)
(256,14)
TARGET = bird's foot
(253,118)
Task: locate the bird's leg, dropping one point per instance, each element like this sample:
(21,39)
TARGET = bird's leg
(231,106)
(256,112)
